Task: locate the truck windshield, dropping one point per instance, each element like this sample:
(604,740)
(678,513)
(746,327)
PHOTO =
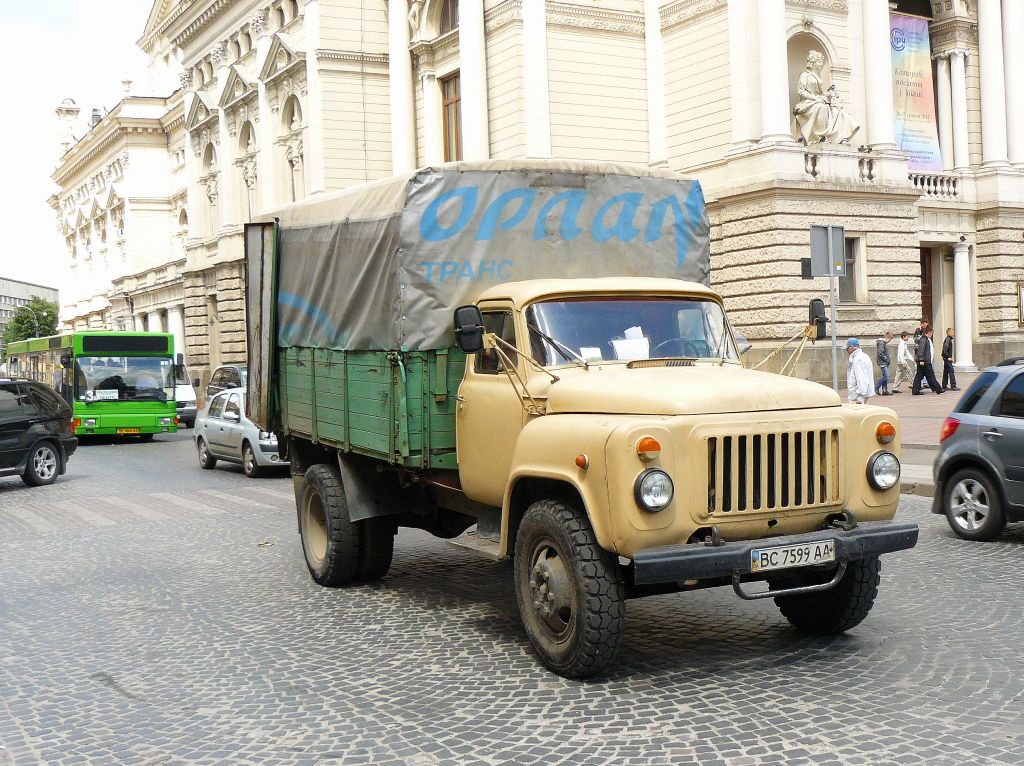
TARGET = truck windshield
(623,329)
(120,378)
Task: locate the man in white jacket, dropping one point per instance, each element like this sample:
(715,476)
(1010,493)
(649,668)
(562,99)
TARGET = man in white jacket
(904,363)
(860,379)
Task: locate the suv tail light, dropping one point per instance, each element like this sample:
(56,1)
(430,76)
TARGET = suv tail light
(949,426)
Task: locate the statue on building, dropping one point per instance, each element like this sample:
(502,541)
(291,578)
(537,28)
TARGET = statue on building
(819,115)
(415,13)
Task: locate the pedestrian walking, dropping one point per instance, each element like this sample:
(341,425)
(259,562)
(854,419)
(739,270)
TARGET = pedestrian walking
(904,363)
(860,383)
(919,332)
(882,357)
(948,373)
(925,368)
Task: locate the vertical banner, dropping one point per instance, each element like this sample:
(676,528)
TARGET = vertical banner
(913,92)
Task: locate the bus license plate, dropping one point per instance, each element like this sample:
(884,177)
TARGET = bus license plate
(786,556)
(127,430)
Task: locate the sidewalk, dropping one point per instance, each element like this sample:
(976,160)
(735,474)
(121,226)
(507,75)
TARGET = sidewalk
(920,422)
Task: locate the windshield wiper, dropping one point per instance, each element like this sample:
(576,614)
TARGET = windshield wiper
(564,350)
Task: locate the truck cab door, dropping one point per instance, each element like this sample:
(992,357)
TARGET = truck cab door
(489,415)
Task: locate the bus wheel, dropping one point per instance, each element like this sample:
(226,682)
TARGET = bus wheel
(330,541)
(145,438)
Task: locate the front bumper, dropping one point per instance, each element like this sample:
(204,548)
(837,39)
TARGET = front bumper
(675,563)
(187,412)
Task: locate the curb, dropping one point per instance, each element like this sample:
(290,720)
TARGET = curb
(919,488)
(920,446)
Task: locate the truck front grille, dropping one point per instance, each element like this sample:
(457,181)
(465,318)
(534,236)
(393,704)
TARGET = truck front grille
(773,471)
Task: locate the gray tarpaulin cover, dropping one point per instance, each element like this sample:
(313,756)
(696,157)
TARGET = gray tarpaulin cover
(383,265)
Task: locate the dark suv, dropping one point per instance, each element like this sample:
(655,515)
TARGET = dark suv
(35,432)
(979,471)
(226,376)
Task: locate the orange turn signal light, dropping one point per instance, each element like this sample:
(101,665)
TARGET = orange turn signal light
(885,432)
(582,461)
(648,448)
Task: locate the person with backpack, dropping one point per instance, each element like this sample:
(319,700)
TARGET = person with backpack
(882,357)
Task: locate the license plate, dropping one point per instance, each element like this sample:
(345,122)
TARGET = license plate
(786,556)
(127,430)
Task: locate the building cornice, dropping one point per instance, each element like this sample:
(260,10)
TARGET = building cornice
(120,129)
(594,19)
(502,15)
(830,6)
(215,10)
(352,57)
(682,11)
(953,34)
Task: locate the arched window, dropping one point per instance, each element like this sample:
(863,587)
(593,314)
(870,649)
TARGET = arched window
(209,159)
(183,223)
(247,167)
(210,186)
(449,15)
(292,114)
(279,20)
(295,182)
(234,51)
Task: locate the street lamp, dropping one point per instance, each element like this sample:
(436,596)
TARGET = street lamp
(34,318)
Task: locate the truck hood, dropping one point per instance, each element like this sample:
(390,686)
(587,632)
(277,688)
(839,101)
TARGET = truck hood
(701,389)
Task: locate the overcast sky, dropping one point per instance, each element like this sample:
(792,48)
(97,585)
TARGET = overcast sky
(56,49)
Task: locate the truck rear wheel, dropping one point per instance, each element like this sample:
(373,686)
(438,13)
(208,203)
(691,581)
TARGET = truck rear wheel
(838,609)
(570,590)
(330,541)
(376,548)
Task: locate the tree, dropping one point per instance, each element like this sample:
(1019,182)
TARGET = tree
(39,314)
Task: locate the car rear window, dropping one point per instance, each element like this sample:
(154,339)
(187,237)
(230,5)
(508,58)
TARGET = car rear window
(46,400)
(974,394)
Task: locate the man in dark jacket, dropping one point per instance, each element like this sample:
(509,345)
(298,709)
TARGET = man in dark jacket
(918,333)
(882,357)
(925,370)
(948,374)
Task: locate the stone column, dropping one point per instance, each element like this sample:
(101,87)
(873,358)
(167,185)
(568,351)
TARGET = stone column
(473,80)
(993,84)
(657,148)
(139,322)
(535,74)
(881,115)
(1013,60)
(743,130)
(154,322)
(963,325)
(775,111)
(944,99)
(403,124)
(958,76)
(313,142)
(268,170)
(176,326)
(433,141)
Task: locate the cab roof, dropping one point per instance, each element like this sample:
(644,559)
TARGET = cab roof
(521,293)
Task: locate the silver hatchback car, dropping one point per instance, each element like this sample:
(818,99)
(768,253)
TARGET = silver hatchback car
(223,432)
(979,471)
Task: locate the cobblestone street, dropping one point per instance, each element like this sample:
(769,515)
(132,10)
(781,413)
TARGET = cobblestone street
(154,613)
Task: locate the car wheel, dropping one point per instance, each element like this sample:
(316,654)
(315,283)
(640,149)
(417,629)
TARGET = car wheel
(206,460)
(251,468)
(43,465)
(972,505)
(570,590)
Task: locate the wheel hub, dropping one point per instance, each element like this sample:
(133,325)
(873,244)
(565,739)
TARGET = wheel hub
(551,592)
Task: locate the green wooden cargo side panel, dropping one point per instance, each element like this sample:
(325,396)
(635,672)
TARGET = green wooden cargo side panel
(398,407)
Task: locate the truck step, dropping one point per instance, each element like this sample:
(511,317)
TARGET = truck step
(472,541)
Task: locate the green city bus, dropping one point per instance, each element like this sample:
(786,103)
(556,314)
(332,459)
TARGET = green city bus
(116,382)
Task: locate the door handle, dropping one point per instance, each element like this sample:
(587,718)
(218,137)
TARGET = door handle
(993,434)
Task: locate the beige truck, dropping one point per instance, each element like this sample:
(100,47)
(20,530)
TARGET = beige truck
(433,352)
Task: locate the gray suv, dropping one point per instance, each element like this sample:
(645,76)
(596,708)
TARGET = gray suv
(979,471)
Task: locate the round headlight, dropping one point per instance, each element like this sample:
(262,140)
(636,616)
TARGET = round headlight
(653,490)
(883,470)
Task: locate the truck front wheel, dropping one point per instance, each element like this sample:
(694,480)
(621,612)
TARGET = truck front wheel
(570,590)
(838,609)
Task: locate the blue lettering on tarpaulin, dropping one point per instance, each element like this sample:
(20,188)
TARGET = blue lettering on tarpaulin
(313,314)
(567,227)
(448,269)
(466,270)
(492,215)
(686,221)
(505,269)
(430,226)
(623,228)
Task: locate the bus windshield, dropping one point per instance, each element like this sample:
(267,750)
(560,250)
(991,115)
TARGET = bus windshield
(123,378)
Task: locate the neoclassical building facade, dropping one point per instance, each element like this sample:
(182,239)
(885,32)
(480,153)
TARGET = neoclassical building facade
(284,99)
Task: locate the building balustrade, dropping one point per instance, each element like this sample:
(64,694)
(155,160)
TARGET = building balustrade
(937,185)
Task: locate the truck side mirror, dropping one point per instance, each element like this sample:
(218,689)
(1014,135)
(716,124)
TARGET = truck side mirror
(195,383)
(65,359)
(743,345)
(816,317)
(469,329)
(180,359)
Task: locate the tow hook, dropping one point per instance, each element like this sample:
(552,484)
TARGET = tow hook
(845,521)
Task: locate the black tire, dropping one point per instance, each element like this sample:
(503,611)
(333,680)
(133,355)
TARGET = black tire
(42,466)
(576,626)
(838,609)
(206,460)
(145,438)
(330,541)
(972,505)
(249,465)
(376,548)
